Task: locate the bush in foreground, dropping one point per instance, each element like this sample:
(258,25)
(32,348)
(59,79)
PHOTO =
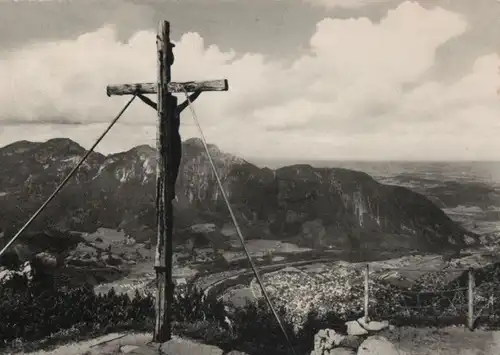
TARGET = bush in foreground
(33,311)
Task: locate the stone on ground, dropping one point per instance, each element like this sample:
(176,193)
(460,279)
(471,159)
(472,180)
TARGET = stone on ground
(128,348)
(354,328)
(325,340)
(378,345)
(351,342)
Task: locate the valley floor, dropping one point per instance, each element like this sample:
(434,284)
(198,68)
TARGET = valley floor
(410,341)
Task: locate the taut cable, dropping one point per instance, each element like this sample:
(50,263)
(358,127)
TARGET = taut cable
(67,178)
(237,227)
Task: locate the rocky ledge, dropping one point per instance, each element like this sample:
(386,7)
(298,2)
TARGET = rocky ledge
(362,338)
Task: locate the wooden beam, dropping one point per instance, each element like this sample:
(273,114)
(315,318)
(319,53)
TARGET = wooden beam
(152,88)
(192,86)
(163,255)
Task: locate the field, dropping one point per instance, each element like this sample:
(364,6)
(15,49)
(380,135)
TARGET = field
(261,248)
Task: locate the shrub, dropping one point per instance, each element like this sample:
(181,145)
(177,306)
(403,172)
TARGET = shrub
(192,305)
(32,311)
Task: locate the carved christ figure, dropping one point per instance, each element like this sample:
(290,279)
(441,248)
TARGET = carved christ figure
(176,136)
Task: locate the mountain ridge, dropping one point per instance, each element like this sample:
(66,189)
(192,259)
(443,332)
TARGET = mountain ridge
(314,207)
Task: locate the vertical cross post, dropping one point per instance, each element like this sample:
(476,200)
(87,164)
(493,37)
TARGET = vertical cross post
(168,144)
(163,256)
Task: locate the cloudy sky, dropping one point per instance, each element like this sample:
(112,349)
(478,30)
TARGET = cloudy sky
(309,79)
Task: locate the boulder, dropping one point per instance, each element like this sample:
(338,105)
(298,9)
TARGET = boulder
(354,328)
(326,340)
(329,337)
(351,342)
(378,345)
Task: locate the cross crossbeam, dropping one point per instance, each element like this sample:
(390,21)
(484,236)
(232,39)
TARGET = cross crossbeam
(169,153)
(152,88)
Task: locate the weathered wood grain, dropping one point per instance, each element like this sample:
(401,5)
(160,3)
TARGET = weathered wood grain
(163,257)
(173,87)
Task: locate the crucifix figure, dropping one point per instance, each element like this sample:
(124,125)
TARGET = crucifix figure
(175,139)
(169,154)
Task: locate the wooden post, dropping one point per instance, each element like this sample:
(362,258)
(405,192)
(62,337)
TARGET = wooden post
(163,256)
(166,109)
(367,292)
(470,298)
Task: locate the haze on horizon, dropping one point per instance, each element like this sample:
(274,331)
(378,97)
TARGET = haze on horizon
(309,79)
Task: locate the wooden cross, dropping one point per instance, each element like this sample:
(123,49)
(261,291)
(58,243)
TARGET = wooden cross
(168,145)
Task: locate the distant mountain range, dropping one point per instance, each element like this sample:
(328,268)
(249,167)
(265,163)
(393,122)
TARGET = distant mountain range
(313,207)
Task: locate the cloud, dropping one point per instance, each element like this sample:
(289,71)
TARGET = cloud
(359,92)
(346,4)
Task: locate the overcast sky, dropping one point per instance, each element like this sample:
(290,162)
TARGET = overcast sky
(309,79)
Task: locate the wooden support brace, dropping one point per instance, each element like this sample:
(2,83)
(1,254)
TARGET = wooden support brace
(179,108)
(152,88)
(148,101)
